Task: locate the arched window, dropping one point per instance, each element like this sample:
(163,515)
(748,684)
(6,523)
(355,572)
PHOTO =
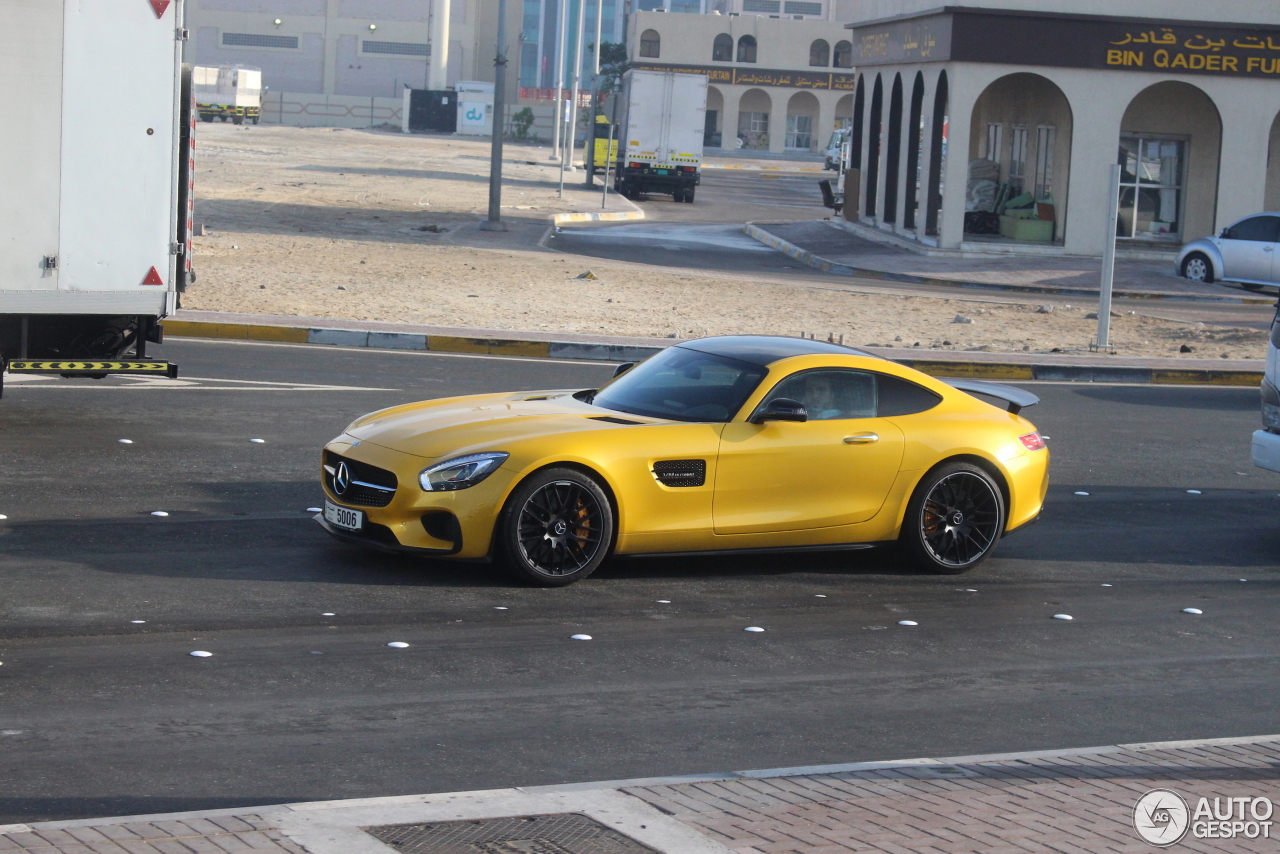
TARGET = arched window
(747,49)
(650,44)
(722,48)
(844,55)
(820,53)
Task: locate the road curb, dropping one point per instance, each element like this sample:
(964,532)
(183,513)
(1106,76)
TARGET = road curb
(604,352)
(817,262)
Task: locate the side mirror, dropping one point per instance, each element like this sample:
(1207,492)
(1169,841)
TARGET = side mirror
(781,409)
(623,368)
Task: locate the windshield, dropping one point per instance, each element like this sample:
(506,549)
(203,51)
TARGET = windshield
(683,385)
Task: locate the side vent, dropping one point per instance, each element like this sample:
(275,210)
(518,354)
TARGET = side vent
(612,420)
(680,472)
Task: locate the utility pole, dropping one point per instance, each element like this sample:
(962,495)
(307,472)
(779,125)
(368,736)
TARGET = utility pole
(1108,259)
(589,160)
(572,131)
(558,113)
(494,222)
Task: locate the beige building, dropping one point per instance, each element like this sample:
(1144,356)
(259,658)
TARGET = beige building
(776,84)
(985,129)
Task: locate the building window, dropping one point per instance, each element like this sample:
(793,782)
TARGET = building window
(255,40)
(1151,184)
(747,49)
(650,44)
(844,55)
(1046,136)
(722,48)
(802,7)
(819,53)
(995,136)
(1017,160)
(397,48)
(769,7)
(799,132)
(753,130)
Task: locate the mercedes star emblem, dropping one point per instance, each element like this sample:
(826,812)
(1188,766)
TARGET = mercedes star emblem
(341,479)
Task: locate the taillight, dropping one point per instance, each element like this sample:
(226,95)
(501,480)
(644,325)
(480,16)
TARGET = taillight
(636,165)
(1032,441)
(689,168)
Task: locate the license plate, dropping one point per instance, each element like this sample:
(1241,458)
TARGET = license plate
(351,520)
(662,171)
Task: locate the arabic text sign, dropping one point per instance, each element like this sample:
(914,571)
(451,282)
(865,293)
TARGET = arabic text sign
(1166,48)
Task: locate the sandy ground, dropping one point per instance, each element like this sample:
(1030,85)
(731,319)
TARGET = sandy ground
(321,222)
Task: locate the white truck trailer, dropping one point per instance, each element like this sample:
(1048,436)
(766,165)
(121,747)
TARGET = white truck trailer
(228,92)
(95,241)
(662,130)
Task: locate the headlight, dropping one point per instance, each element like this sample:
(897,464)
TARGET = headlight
(460,472)
(1270,407)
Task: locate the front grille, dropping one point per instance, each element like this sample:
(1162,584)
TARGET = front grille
(365,479)
(680,472)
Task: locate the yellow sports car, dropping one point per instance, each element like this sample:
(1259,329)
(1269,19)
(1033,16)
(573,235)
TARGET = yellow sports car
(736,443)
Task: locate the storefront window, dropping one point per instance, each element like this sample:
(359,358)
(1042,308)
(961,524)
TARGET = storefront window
(1151,175)
(1045,138)
(753,130)
(1017,161)
(799,132)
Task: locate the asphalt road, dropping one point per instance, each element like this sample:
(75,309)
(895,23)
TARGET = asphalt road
(102,715)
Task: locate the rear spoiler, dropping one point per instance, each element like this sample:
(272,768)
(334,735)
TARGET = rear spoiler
(1017,398)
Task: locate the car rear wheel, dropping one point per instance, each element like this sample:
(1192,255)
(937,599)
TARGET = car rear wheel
(1197,268)
(557,528)
(954,519)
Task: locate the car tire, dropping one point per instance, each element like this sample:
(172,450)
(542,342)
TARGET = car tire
(556,528)
(1198,268)
(688,195)
(954,519)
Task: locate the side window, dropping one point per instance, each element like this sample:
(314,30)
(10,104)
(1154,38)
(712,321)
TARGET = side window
(903,397)
(1260,228)
(830,395)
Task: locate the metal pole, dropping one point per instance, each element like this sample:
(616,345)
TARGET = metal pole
(1108,259)
(558,111)
(494,222)
(608,151)
(572,131)
(595,101)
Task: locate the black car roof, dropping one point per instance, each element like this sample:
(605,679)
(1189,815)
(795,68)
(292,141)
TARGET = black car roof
(764,350)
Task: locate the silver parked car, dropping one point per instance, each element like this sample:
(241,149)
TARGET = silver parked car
(1245,252)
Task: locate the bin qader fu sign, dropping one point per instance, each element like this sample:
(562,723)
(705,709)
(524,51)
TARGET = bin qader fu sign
(1071,41)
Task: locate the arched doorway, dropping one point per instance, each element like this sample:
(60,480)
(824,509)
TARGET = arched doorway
(1019,160)
(915,133)
(873,145)
(712,135)
(753,120)
(893,151)
(1170,138)
(802,122)
(1271,196)
(844,111)
(937,144)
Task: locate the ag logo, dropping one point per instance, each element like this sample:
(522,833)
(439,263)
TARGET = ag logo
(1161,817)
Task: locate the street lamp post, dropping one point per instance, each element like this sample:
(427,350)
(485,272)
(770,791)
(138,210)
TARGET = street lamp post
(494,222)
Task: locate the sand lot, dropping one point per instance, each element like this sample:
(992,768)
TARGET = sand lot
(323,222)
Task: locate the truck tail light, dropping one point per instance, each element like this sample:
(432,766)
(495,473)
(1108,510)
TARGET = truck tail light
(636,165)
(688,168)
(1032,441)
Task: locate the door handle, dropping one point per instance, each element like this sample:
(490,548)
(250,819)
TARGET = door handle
(861,439)
(1268,248)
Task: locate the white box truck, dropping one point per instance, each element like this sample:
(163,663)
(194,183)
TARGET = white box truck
(95,241)
(228,92)
(662,130)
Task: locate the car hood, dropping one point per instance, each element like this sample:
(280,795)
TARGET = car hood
(456,425)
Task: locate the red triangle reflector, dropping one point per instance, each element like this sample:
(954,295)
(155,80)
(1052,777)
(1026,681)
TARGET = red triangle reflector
(159,6)
(153,278)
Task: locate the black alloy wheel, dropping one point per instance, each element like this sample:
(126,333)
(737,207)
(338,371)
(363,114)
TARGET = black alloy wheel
(557,528)
(954,520)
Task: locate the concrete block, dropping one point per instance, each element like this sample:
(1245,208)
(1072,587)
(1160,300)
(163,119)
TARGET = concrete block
(341,337)
(397,341)
(601,352)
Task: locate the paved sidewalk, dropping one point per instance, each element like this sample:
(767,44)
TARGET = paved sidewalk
(829,246)
(1079,800)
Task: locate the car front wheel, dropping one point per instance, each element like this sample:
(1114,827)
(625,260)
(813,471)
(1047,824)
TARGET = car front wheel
(1197,268)
(954,519)
(556,528)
